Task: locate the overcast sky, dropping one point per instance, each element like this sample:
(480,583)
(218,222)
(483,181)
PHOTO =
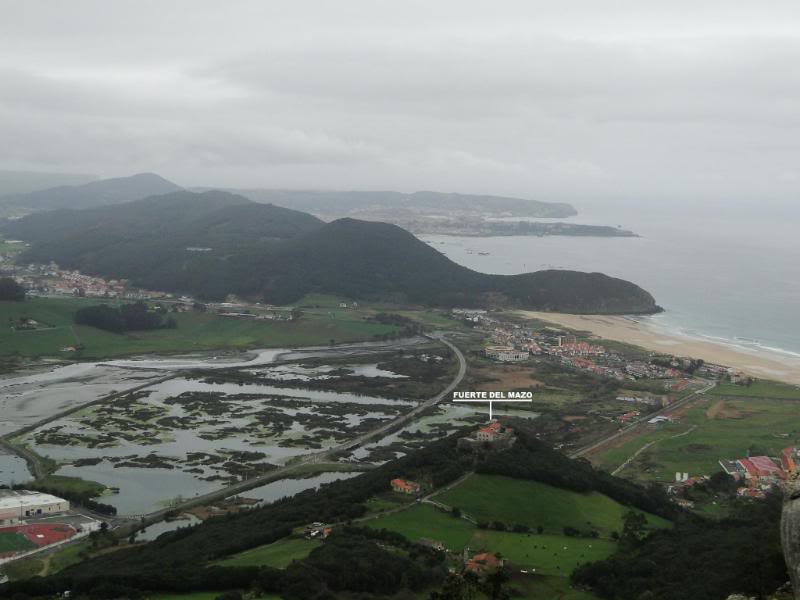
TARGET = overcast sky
(561,100)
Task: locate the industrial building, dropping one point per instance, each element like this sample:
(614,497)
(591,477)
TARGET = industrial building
(18,505)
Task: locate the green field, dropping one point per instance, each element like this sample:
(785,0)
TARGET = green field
(512,501)
(548,554)
(425,521)
(543,554)
(14,542)
(195,331)
(278,554)
(759,389)
(715,427)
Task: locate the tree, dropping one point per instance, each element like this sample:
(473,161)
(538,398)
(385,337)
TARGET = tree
(456,588)
(634,528)
(10,290)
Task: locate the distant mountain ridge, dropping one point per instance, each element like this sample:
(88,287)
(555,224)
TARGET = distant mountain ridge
(24,182)
(373,205)
(279,254)
(103,192)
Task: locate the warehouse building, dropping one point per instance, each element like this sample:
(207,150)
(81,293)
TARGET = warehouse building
(18,505)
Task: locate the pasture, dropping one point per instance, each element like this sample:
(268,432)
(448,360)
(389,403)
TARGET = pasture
(195,331)
(718,426)
(491,498)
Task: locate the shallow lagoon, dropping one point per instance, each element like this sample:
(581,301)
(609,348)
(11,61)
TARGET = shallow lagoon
(13,469)
(194,429)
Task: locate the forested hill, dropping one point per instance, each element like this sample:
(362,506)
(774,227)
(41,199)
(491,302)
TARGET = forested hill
(96,193)
(216,243)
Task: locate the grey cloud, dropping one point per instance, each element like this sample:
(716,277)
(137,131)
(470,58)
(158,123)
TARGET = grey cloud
(564,100)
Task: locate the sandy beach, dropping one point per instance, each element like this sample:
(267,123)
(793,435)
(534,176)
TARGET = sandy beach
(624,329)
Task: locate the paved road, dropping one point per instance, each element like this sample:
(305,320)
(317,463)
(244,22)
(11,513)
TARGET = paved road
(325,455)
(664,411)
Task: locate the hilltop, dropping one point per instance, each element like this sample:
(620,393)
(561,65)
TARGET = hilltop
(95,193)
(216,243)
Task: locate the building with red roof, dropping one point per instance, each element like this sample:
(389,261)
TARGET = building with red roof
(405,487)
(757,467)
(483,563)
(492,432)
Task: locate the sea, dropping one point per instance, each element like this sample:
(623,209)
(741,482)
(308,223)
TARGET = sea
(726,273)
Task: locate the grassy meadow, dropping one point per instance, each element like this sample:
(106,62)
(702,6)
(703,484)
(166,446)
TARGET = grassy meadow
(195,331)
(513,501)
(548,559)
(724,424)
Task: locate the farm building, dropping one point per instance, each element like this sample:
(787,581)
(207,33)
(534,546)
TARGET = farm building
(16,506)
(405,487)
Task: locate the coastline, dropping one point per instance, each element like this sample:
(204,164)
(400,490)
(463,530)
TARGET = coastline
(636,331)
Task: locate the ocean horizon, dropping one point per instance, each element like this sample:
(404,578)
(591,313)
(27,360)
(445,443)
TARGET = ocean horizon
(723,276)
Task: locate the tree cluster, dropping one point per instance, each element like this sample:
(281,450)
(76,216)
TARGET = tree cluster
(10,290)
(698,559)
(128,317)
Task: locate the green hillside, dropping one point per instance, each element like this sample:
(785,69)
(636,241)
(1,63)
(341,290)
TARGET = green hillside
(491,498)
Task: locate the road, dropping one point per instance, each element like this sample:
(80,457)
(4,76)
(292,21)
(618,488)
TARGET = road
(318,457)
(664,411)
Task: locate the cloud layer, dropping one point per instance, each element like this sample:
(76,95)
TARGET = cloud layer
(574,100)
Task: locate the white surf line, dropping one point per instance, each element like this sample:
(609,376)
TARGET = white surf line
(490,401)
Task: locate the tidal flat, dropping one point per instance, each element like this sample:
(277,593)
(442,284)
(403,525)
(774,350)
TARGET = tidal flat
(190,435)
